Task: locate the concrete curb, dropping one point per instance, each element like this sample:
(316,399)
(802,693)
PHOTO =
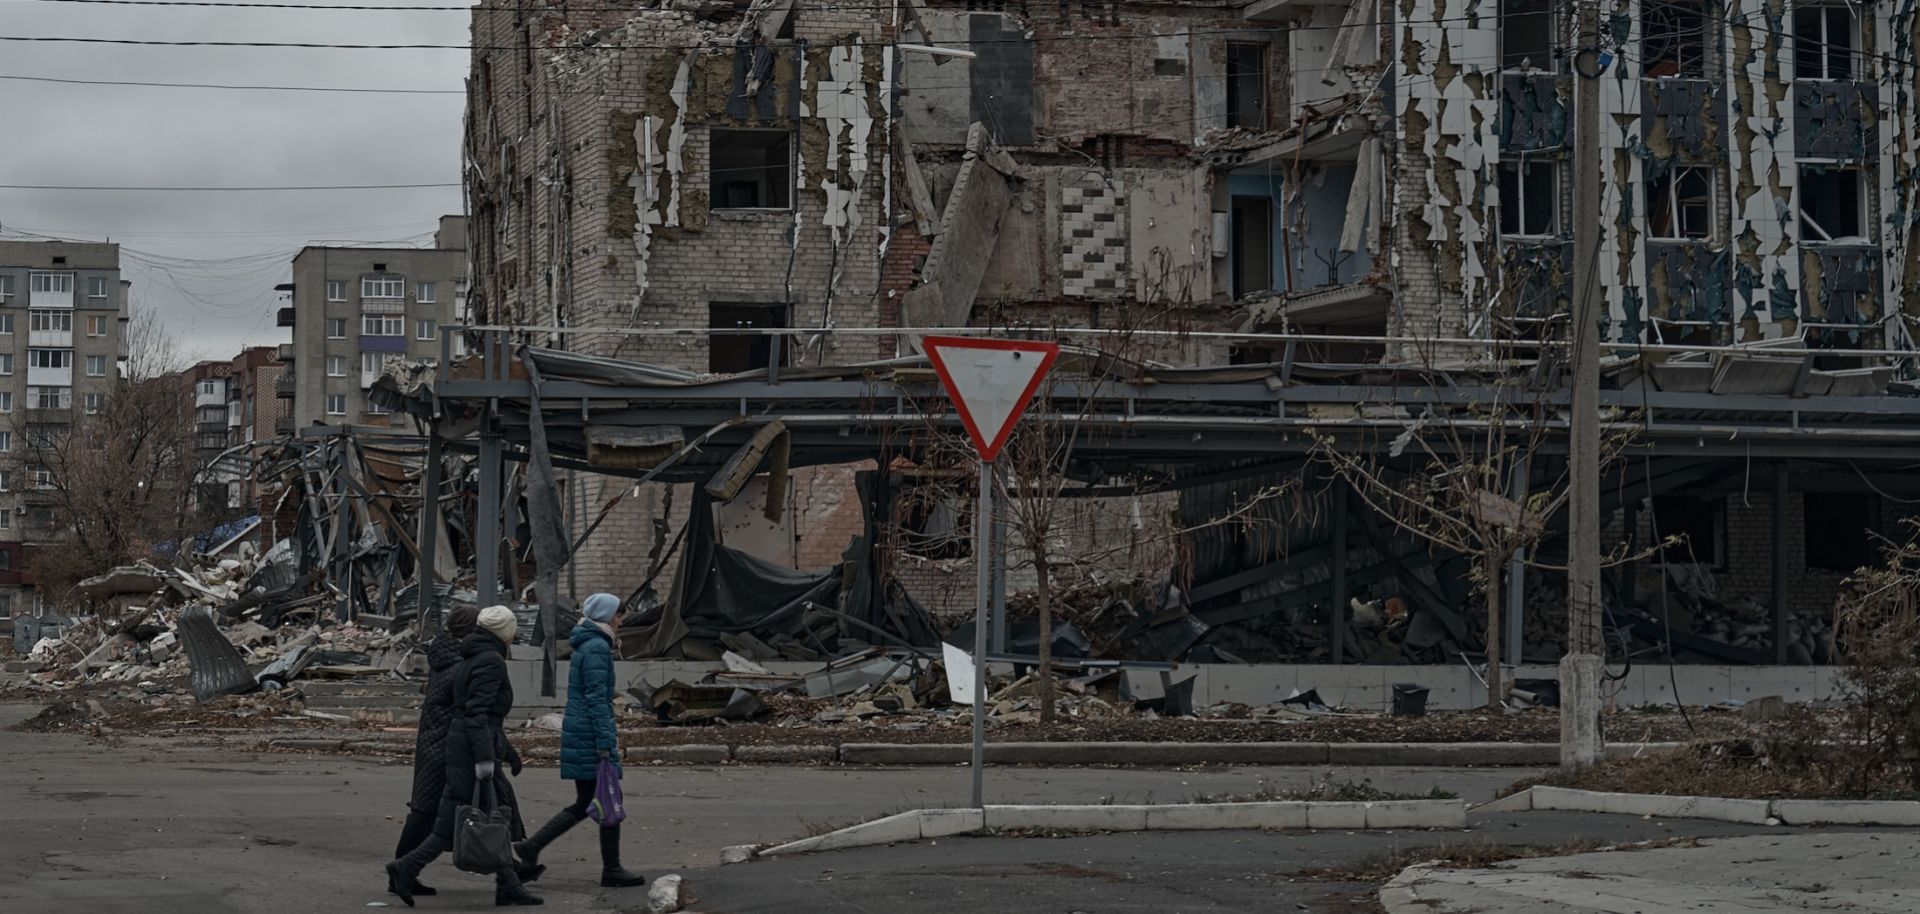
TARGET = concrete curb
(1530,755)
(917,824)
(308,745)
(1892,813)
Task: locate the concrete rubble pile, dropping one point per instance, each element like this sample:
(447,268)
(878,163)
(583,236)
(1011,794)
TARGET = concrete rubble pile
(1688,621)
(141,623)
(906,692)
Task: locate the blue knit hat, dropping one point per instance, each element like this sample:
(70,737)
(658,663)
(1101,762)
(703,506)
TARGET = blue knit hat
(600,607)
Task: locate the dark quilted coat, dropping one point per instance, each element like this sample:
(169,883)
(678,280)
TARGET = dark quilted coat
(482,699)
(430,744)
(588,729)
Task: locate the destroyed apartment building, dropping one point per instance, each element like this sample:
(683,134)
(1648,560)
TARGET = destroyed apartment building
(706,238)
(1334,182)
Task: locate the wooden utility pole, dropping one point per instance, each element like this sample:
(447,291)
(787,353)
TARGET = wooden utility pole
(1580,669)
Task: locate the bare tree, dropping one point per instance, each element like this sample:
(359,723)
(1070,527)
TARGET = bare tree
(152,349)
(107,486)
(1461,494)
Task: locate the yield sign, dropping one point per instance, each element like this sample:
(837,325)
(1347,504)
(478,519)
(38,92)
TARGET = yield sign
(990,381)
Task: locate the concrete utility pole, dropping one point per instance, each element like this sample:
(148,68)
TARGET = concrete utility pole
(1580,668)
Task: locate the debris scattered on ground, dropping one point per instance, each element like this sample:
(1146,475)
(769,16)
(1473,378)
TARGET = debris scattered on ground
(1753,768)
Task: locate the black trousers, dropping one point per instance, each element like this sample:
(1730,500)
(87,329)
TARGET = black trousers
(582,798)
(416,829)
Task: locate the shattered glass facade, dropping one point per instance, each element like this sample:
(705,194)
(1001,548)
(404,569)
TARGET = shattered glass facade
(1708,132)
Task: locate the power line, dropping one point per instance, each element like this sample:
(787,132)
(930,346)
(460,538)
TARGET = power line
(530,9)
(706,46)
(201,189)
(130,82)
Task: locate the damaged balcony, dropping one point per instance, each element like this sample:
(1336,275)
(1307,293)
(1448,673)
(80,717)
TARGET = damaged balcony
(1294,230)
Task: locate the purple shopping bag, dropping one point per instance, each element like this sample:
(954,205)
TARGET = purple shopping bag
(606,807)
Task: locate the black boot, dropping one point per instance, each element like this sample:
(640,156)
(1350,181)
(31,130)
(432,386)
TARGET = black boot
(529,868)
(418,826)
(509,893)
(612,874)
(403,874)
(420,889)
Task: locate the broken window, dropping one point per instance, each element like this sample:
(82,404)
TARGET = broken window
(1831,204)
(1680,204)
(1701,525)
(1247,86)
(1252,253)
(730,353)
(1673,39)
(1529,199)
(751,169)
(1826,42)
(1839,531)
(1526,35)
(934,522)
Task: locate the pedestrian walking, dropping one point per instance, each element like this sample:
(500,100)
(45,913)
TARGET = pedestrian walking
(476,749)
(587,737)
(430,739)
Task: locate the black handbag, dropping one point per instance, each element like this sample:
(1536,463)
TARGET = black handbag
(483,835)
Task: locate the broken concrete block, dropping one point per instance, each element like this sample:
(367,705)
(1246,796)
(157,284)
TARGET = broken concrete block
(663,897)
(738,853)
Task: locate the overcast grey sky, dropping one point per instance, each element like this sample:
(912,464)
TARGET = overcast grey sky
(239,244)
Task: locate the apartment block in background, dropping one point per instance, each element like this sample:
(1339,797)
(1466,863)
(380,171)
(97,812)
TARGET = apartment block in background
(235,403)
(63,317)
(356,308)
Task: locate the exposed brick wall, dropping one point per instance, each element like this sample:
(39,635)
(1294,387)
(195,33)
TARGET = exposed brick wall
(1748,574)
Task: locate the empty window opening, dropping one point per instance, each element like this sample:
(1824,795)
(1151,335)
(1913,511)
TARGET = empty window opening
(1839,531)
(1837,341)
(1683,333)
(1252,245)
(751,169)
(1830,204)
(1701,526)
(1673,38)
(1680,204)
(1247,86)
(934,522)
(1526,35)
(1826,42)
(734,352)
(1529,199)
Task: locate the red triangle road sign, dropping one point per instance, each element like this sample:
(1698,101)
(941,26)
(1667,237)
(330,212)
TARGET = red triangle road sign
(990,382)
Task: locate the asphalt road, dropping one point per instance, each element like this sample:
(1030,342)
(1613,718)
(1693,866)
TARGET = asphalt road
(1144,873)
(152,828)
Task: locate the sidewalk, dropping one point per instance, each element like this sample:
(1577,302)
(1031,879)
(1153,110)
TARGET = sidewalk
(1800,871)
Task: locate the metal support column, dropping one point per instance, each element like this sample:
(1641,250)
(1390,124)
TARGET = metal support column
(1780,565)
(429,540)
(1338,539)
(346,533)
(486,541)
(1517,575)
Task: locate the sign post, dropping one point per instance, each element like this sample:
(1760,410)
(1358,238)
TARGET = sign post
(990,383)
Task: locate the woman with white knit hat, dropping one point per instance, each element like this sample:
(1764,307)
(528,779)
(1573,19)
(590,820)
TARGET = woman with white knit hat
(476,749)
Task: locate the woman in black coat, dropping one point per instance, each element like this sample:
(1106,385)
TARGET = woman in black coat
(430,737)
(476,747)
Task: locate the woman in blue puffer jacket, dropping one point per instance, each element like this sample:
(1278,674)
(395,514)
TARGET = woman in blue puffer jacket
(587,737)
